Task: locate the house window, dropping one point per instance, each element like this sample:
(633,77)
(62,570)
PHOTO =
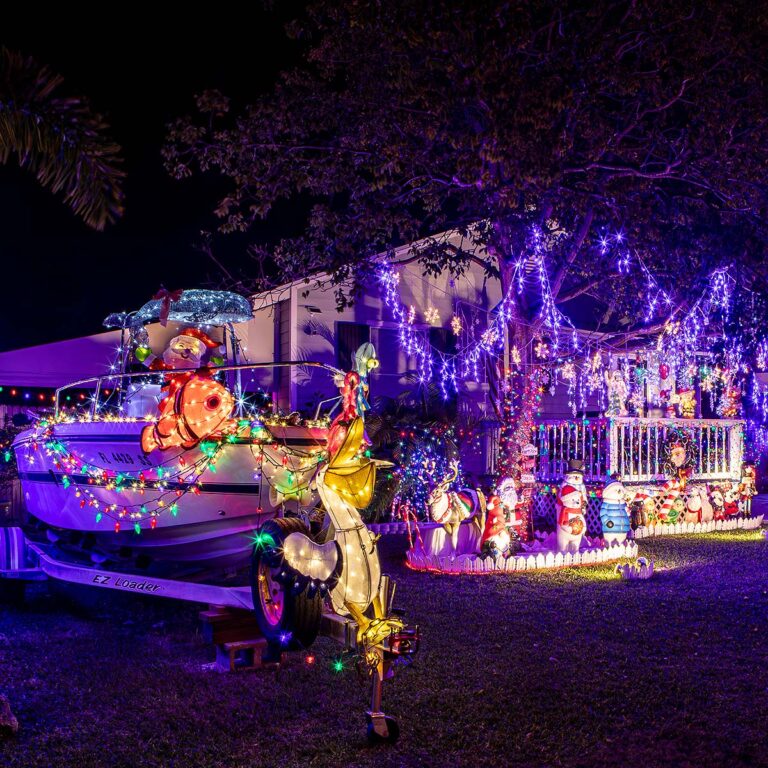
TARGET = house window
(349,337)
(443,340)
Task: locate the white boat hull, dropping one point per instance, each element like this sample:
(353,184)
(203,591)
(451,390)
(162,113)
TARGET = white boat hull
(212,527)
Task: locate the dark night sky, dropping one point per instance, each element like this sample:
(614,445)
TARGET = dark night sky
(61,279)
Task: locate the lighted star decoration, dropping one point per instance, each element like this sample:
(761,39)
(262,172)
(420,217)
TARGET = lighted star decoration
(432,316)
(456,325)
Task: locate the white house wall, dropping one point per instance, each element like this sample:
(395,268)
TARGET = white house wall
(314,325)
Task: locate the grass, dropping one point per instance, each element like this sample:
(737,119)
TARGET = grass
(569,668)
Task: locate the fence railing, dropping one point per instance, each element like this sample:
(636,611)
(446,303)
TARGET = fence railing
(635,447)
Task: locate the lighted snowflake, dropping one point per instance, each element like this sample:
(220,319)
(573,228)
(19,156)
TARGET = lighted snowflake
(432,316)
(542,350)
(568,371)
(490,337)
(456,325)
(516,359)
(411,315)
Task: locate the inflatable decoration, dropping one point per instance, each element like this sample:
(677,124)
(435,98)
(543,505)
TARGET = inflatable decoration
(450,508)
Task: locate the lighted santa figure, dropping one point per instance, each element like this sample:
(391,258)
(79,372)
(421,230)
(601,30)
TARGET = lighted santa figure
(186,350)
(614,516)
(496,536)
(730,500)
(195,405)
(570,505)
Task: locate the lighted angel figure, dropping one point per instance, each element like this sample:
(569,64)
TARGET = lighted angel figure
(617,393)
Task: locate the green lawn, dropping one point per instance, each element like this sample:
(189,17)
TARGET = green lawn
(571,668)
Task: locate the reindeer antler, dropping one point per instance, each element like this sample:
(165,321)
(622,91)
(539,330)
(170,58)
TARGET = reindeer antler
(453,473)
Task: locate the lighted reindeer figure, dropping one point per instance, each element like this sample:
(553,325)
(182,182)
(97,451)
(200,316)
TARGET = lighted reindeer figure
(451,508)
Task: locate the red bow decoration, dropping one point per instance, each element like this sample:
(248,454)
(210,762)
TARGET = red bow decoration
(166,297)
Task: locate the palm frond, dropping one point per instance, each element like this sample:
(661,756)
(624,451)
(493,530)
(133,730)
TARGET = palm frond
(59,139)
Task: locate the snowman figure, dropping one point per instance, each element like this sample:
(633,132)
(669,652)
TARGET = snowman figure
(613,512)
(693,508)
(570,506)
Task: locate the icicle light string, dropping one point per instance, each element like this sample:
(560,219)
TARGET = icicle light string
(682,335)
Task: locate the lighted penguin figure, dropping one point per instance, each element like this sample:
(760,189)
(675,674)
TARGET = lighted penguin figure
(614,515)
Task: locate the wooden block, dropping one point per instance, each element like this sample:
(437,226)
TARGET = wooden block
(226,625)
(240,655)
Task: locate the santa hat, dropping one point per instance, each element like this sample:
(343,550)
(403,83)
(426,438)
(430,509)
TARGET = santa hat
(568,489)
(196,333)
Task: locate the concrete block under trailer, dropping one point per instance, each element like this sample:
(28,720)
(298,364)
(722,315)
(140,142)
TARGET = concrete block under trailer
(23,561)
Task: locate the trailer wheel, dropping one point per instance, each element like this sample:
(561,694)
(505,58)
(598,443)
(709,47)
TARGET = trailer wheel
(290,621)
(386,731)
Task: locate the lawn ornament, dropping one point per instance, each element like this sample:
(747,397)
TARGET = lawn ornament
(642,508)
(642,569)
(747,487)
(498,533)
(294,570)
(512,501)
(672,507)
(570,505)
(451,508)
(613,511)
(693,508)
(730,500)
(707,512)
(718,502)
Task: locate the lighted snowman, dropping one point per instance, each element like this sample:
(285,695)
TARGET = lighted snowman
(570,505)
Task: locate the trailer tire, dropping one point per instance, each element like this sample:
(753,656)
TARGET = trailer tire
(289,621)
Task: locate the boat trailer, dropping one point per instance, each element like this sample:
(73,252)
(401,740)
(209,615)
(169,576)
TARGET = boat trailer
(23,561)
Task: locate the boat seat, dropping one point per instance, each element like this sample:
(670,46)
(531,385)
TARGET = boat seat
(143,401)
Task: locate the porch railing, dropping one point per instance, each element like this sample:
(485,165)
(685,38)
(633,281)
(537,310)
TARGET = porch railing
(634,447)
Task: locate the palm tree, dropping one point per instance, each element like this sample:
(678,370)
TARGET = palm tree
(59,139)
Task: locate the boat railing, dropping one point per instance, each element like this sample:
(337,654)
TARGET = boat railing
(634,447)
(115,382)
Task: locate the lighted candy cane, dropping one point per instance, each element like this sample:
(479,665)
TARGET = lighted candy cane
(672,489)
(407,513)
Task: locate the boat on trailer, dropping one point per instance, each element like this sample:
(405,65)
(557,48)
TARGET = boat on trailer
(171,465)
(87,476)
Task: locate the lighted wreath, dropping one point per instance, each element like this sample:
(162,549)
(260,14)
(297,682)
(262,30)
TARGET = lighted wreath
(680,451)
